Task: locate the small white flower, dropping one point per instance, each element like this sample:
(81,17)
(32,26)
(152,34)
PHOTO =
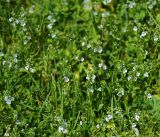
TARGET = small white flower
(131,4)
(143,34)
(1,54)
(83,43)
(49,26)
(10,19)
(62,130)
(88,46)
(53,36)
(6,134)
(137,117)
(87,77)
(91,89)
(100,26)
(18,122)
(4,62)
(100,50)
(99,89)
(129,78)
(17,21)
(124,71)
(93,78)
(95,49)
(104,67)
(135,28)
(80,123)
(97,126)
(31,9)
(149,96)
(133,125)
(66,79)
(15,60)
(146,74)
(105,2)
(27,68)
(156,38)
(100,65)
(32,70)
(82,59)
(25,42)
(137,74)
(146,52)
(109,117)
(121,92)
(49,17)
(8,99)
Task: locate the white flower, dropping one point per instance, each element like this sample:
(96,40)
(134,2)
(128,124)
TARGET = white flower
(146,74)
(1,54)
(93,78)
(143,34)
(129,78)
(18,122)
(99,89)
(87,4)
(49,17)
(80,123)
(6,134)
(66,79)
(131,4)
(87,77)
(27,68)
(82,59)
(32,70)
(137,74)
(25,42)
(31,9)
(100,65)
(100,26)
(62,130)
(135,28)
(133,125)
(4,62)
(95,49)
(17,21)
(105,2)
(109,117)
(83,43)
(137,117)
(124,71)
(97,126)
(91,89)
(49,26)
(104,67)
(88,46)
(121,92)
(100,50)
(8,99)
(149,96)
(156,38)
(10,19)
(53,36)
(15,60)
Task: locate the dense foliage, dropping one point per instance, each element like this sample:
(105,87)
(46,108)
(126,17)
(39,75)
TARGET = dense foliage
(86,68)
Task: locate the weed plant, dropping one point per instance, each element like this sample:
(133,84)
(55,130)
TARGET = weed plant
(79,68)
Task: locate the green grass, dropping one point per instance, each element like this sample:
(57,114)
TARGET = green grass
(77,68)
